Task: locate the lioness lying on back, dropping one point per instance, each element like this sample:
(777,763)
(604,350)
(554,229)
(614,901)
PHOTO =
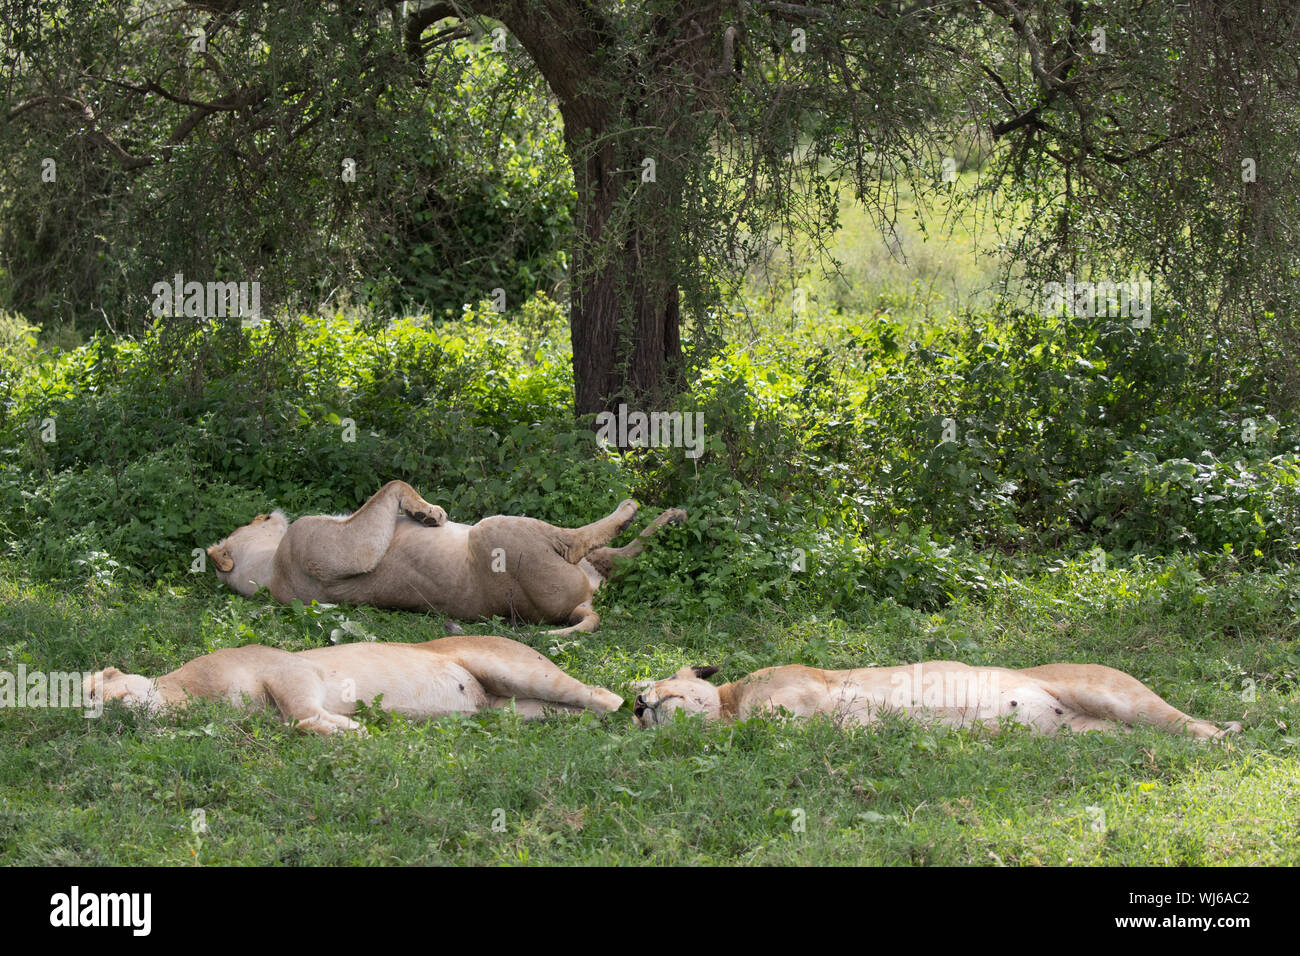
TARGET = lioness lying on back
(400,551)
(1048,699)
(315,690)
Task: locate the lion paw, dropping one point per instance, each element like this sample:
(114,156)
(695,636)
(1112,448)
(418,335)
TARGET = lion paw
(325,723)
(673,516)
(1232,727)
(631,507)
(430,516)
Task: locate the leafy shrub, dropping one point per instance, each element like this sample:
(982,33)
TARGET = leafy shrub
(826,478)
(147,464)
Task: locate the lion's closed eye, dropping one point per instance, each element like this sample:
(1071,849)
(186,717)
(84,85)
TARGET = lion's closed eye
(669,703)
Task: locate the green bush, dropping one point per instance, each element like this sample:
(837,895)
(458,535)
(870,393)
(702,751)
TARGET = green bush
(825,479)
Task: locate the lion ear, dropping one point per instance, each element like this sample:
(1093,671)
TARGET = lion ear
(221,558)
(704,672)
(108,673)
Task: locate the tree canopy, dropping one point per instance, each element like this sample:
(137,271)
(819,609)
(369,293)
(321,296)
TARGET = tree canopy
(1118,138)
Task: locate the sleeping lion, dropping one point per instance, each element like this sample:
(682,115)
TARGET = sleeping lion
(316,690)
(1048,698)
(399,551)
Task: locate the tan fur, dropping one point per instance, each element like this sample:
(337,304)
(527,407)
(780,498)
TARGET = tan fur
(1048,698)
(316,690)
(400,551)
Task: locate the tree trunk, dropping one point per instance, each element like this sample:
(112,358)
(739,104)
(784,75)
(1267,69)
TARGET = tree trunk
(624,305)
(624,310)
(624,300)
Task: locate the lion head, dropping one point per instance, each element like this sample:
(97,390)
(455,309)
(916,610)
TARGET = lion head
(133,690)
(687,691)
(232,555)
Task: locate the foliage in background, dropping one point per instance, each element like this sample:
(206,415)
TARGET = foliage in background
(1112,137)
(485,203)
(826,476)
(461,183)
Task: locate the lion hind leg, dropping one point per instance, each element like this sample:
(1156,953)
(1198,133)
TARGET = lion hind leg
(1082,723)
(1145,706)
(532,709)
(508,669)
(1111,695)
(577,543)
(605,560)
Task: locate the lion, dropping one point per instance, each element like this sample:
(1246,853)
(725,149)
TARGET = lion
(399,551)
(1048,699)
(316,690)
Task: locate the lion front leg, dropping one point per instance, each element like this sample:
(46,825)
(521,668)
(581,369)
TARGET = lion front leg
(298,692)
(412,504)
(324,723)
(335,548)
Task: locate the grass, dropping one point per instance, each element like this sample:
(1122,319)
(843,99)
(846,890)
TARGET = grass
(486,789)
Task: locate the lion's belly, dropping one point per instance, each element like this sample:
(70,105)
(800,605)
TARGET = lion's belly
(425,569)
(945,691)
(412,681)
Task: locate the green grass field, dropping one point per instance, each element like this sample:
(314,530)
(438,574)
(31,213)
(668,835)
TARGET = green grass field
(125,789)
